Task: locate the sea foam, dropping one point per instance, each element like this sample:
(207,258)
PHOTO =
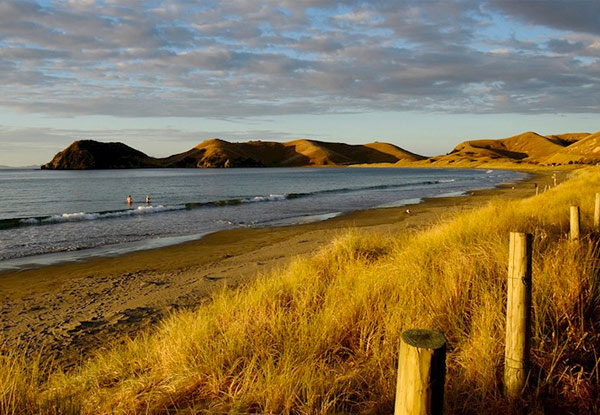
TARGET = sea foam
(86,216)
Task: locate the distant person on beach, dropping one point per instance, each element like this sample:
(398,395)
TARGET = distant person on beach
(129,200)
(147,199)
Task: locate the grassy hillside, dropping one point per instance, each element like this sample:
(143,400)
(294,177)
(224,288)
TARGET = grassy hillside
(529,147)
(568,138)
(322,335)
(395,151)
(89,154)
(524,149)
(300,153)
(585,150)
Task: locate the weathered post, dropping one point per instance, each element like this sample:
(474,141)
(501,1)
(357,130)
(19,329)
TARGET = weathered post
(518,314)
(575,222)
(421,373)
(597,213)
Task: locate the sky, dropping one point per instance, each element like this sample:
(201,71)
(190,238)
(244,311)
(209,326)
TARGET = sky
(162,76)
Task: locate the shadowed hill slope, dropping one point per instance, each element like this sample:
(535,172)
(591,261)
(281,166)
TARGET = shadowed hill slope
(395,151)
(584,151)
(528,147)
(90,154)
(586,146)
(567,139)
(522,146)
(220,153)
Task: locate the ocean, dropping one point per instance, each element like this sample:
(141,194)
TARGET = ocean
(54,216)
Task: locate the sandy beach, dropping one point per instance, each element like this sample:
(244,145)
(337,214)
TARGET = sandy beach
(71,310)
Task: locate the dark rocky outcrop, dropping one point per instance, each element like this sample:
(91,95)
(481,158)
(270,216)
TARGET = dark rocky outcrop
(89,154)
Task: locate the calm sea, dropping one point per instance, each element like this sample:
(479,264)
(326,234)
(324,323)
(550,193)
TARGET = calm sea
(52,216)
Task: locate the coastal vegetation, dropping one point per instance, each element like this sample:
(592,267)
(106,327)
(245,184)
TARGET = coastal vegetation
(322,334)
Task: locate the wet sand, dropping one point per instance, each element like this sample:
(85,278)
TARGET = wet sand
(71,310)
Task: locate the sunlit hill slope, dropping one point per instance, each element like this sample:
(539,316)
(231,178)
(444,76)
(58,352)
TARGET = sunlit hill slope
(88,154)
(526,148)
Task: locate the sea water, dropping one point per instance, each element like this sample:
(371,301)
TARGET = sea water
(50,216)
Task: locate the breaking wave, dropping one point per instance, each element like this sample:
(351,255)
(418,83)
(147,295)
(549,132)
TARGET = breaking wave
(86,216)
(147,210)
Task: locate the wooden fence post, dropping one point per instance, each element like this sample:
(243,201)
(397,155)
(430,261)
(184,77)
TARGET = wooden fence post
(421,373)
(518,314)
(575,222)
(597,213)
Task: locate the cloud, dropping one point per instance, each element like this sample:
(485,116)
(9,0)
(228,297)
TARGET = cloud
(564,46)
(244,58)
(573,15)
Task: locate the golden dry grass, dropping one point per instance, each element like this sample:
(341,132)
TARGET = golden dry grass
(322,335)
(520,151)
(303,152)
(585,149)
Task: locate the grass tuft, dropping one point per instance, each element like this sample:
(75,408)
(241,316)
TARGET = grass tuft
(322,335)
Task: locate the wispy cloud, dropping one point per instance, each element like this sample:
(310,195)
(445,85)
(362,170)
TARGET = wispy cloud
(234,59)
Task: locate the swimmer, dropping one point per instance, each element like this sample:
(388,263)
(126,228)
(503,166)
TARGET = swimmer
(129,200)
(147,199)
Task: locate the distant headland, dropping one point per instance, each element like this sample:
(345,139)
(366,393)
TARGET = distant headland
(216,153)
(527,148)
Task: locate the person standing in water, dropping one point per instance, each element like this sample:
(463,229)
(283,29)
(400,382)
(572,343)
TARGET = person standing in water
(147,199)
(129,200)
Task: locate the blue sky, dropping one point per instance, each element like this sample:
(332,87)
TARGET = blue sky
(164,75)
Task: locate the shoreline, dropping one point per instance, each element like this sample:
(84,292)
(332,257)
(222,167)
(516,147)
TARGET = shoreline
(73,309)
(42,260)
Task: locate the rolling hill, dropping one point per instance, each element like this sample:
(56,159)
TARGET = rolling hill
(567,139)
(528,147)
(89,154)
(584,151)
